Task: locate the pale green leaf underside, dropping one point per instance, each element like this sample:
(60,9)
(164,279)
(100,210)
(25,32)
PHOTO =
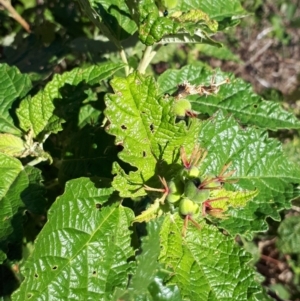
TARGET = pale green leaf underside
(37,113)
(259,164)
(236,98)
(11,145)
(13,84)
(83,250)
(206,265)
(145,125)
(216,9)
(12,184)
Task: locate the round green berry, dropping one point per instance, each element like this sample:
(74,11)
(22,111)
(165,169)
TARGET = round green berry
(188,207)
(180,107)
(173,198)
(201,196)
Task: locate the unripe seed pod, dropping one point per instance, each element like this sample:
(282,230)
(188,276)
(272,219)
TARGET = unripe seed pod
(181,106)
(173,198)
(169,4)
(212,181)
(188,207)
(193,172)
(201,196)
(190,190)
(176,186)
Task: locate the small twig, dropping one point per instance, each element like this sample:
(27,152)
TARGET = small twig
(124,59)
(14,14)
(270,259)
(145,60)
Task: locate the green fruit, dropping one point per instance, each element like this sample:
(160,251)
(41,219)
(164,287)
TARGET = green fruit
(169,4)
(173,198)
(190,190)
(188,207)
(180,107)
(193,172)
(201,196)
(176,186)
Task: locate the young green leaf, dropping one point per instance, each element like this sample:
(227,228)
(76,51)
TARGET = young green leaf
(235,97)
(37,113)
(254,171)
(11,145)
(203,260)
(145,125)
(13,85)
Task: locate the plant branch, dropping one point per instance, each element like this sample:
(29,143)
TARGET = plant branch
(124,60)
(145,60)
(14,14)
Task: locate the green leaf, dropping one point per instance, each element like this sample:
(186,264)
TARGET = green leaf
(38,114)
(217,9)
(92,247)
(12,182)
(34,195)
(203,260)
(221,53)
(152,212)
(232,199)
(259,163)
(235,97)
(191,25)
(112,15)
(13,84)
(145,126)
(147,284)
(11,145)
(289,235)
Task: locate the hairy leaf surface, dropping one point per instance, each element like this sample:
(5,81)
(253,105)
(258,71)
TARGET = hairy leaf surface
(13,84)
(92,247)
(205,264)
(235,97)
(37,113)
(259,163)
(144,125)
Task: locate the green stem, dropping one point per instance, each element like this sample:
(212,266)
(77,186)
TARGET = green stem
(124,59)
(145,60)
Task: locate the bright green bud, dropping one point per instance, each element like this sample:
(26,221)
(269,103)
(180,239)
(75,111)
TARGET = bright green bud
(176,186)
(188,207)
(169,4)
(173,198)
(180,107)
(201,196)
(193,172)
(190,190)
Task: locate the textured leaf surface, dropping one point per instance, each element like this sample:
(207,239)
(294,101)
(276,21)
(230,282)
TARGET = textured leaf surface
(259,163)
(147,284)
(190,24)
(217,9)
(37,112)
(11,145)
(13,84)
(232,198)
(92,247)
(144,125)
(206,265)
(114,16)
(236,98)
(13,181)
(289,235)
